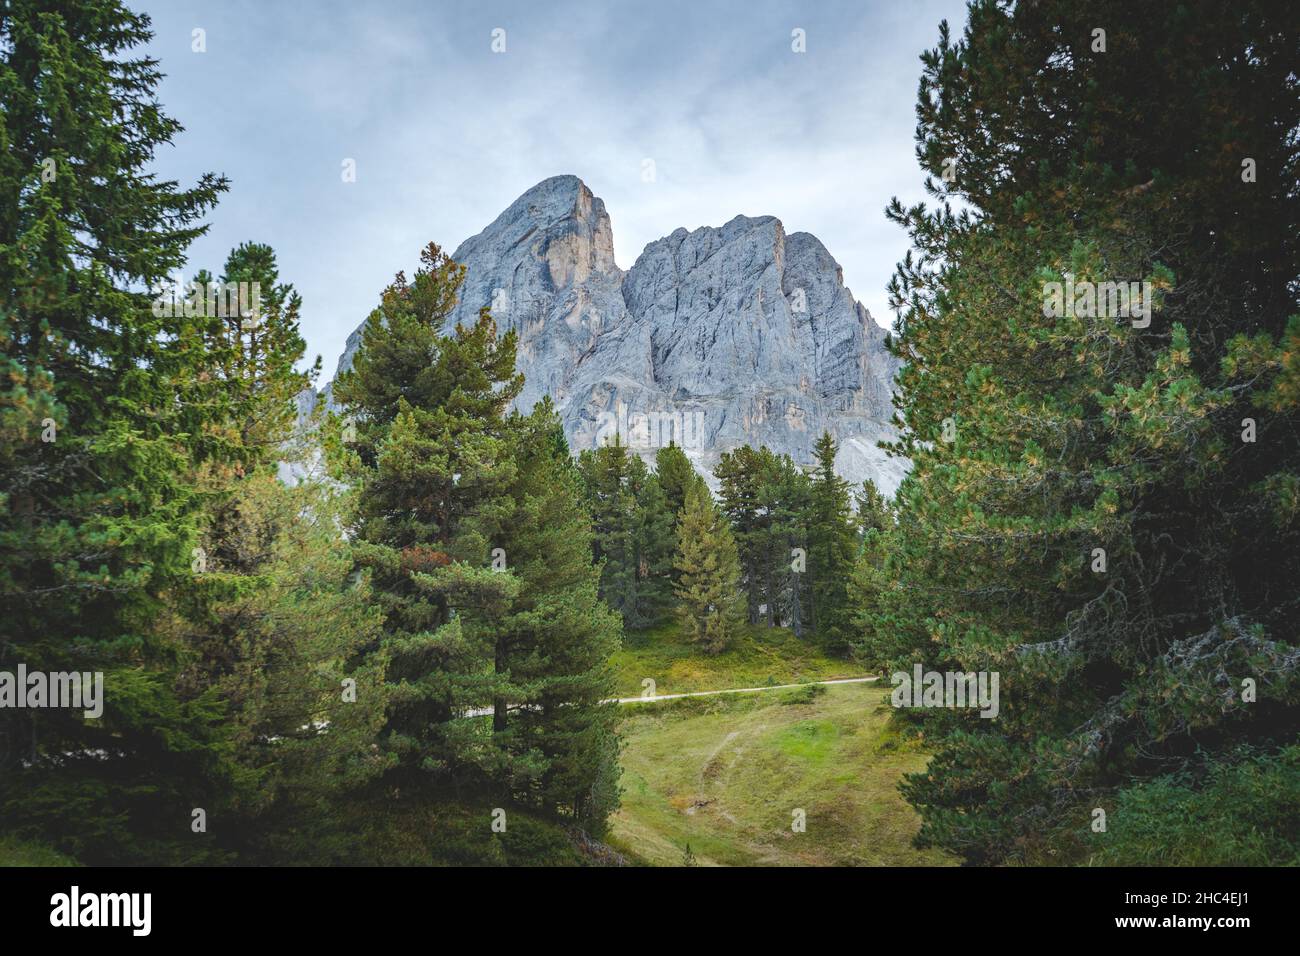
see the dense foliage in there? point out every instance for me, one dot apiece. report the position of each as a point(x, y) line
point(470, 527)
point(1103, 507)
point(98, 517)
point(167, 523)
point(347, 637)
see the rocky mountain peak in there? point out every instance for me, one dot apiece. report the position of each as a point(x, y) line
point(715, 337)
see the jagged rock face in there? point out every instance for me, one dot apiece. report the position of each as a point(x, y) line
point(714, 338)
point(546, 269)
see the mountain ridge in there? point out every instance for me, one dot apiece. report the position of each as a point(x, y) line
point(715, 337)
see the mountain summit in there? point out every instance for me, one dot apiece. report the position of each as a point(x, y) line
point(714, 338)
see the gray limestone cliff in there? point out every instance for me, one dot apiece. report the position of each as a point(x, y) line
point(714, 338)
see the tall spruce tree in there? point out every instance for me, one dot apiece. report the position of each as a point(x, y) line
point(1103, 503)
point(740, 474)
point(604, 473)
point(97, 518)
point(870, 577)
point(556, 637)
point(633, 528)
point(766, 498)
point(278, 633)
point(872, 510)
point(789, 491)
point(675, 474)
point(654, 542)
point(268, 347)
point(711, 602)
point(831, 548)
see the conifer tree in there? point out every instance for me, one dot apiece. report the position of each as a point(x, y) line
point(740, 474)
point(429, 450)
point(766, 499)
point(870, 578)
point(556, 638)
point(789, 493)
point(272, 618)
point(633, 532)
point(97, 518)
point(605, 482)
point(278, 633)
point(675, 474)
point(268, 346)
point(873, 511)
point(711, 603)
point(654, 543)
point(831, 548)
point(1102, 502)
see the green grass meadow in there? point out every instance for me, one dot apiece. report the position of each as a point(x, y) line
point(726, 774)
point(761, 657)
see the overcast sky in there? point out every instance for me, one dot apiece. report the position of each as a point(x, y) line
point(446, 133)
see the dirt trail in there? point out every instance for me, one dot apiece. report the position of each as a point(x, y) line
point(743, 690)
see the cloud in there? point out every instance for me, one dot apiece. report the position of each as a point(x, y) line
point(445, 133)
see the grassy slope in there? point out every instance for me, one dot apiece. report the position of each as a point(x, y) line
point(725, 773)
point(15, 852)
point(454, 834)
point(761, 656)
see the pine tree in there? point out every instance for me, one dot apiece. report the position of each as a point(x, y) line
point(278, 634)
point(831, 548)
point(1084, 516)
point(268, 348)
point(557, 636)
point(712, 606)
point(633, 532)
point(429, 451)
point(873, 511)
point(271, 617)
point(676, 474)
point(766, 498)
point(740, 473)
point(654, 543)
point(97, 519)
point(789, 492)
point(870, 578)
point(604, 472)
